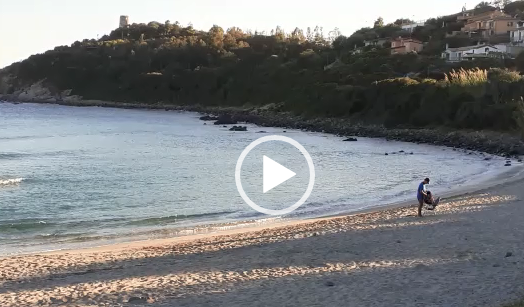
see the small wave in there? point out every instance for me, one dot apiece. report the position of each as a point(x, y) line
point(27, 225)
point(57, 236)
point(20, 137)
point(11, 181)
point(18, 155)
point(11, 155)
point(201, 228)
point(158, 221)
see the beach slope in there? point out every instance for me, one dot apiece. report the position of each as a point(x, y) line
point(470, 252)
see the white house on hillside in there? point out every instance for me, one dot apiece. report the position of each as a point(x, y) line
point(410, 27)
point(517, 35)
point(469, 52)
point(510, 49)
point(376, 42)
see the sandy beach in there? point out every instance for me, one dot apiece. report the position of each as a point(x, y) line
point(469, 252)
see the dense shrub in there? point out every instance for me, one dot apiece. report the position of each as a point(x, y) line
point(306, 74)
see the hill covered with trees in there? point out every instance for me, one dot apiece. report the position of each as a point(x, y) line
point(310, 73)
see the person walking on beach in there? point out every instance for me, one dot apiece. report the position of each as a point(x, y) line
point(421, 193)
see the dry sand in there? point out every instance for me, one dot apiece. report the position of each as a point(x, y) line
point(470, 252)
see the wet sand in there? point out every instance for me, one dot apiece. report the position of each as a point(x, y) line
point(469, 252)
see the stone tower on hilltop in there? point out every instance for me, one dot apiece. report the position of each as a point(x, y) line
point(124, 21)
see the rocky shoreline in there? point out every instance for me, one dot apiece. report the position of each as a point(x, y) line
point(495, 143)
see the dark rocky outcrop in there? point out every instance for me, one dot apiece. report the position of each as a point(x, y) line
point(501, 144)
point(482, 141)
point(225, 119)
point(208, 118)
point(350, 140)
point(238, 128)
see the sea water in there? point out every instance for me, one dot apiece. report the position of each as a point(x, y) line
point(85, 176)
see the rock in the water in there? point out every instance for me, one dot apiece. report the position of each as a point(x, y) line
point(509, 254)
point(225, 120)
point(207, 117)
point(261, 132)
point(386, 154)
point(401, 151)
point(238, 128)
point(350, 140)
point(507, 164)
point(329, 283)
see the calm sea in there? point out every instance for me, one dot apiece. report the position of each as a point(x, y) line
point(74, 177)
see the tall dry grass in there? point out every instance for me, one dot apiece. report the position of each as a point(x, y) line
point(470, 77)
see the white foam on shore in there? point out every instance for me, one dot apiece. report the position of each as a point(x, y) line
point(11, 181)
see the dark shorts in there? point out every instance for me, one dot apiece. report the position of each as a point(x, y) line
point(420, 199)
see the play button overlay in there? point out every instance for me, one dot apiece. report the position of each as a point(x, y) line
point(274, 174)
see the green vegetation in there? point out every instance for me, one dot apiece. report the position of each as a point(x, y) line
point(310, 74)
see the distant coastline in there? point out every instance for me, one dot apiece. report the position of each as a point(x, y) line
point(490, 142)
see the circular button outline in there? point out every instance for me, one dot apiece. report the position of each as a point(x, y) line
point(302, 150)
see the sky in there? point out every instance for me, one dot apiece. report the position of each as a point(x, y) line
point(34, 26)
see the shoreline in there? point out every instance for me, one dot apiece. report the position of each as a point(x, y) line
point(134, 243)
point(490, 142)
point(516, 174)
point(471, 249)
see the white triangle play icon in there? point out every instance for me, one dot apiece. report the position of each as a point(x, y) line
point(274, 174)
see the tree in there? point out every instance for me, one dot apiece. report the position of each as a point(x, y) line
point(482, 5)
point(500, 4)
point(318, 36)
point(236, 32)
point(379, 23)
point(216, 37)
point(309, 34)
point(514, 8)
point(340, 43)
point(167, 27)
point(154, 24)
point(332, 35)
point(297, 36)
point(229, 41)
point(279, 34)
point(403, 21)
